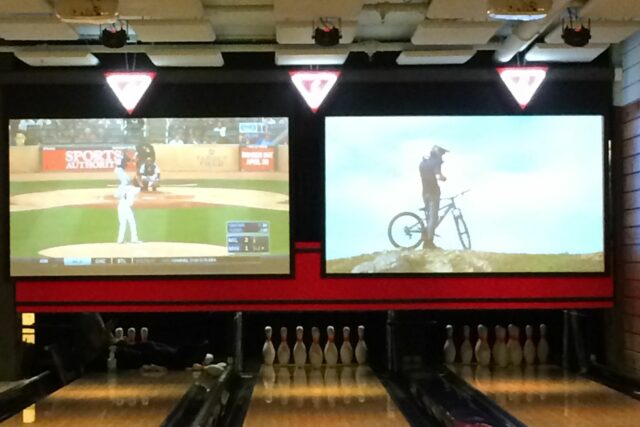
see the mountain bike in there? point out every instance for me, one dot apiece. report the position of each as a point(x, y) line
point(406, 229)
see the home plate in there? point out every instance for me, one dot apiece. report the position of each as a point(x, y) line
point(135, 250)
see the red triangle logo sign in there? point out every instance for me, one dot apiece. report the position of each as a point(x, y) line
point(523, 82)
point(129, 87)
point(314, 86)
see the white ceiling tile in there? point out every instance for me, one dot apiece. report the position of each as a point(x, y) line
point(612, 10)
point(56, 58)
point(161, 9)
point(36, 29)
point(543, 52)
point(454, 33)
point(176, 31)
point(25, 7)
point(312, 9)
point(308, 57)
point(434, 57)
point(186, 57)
point(467, 10)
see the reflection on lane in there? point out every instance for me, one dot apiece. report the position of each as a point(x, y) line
point(342, 395)
point(104, 400)
point(546, 396)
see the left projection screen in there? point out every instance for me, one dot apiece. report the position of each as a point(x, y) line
point(119, 197)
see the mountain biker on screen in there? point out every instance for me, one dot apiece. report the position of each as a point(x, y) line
point(430, 174)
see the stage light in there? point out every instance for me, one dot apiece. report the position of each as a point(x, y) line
point(129, 87)
point(113, 38)
point(522, 82)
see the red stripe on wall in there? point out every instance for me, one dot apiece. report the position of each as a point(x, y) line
point(309, 286)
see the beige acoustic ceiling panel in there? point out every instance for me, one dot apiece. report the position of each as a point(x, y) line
point(56, 58)
point(302, 32)
point(454, 33)
point(309, 9)
point(173, 31)
point(46, 28)
point(161, 9)
point(329, 56)
point(186, 57)
point(543, 52)
point(601, 32)
point(468, 10)
point(25, 7)
point(613, 10)
point(238, 23)
point(434, 57)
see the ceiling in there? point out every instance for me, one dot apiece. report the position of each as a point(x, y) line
point(200, 33)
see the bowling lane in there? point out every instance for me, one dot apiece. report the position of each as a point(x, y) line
point(547, 396)
point(344, 395)
point(125, 398)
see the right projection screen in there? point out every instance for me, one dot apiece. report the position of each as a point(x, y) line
point(518, 194)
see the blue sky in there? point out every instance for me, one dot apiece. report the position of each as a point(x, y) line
point(536, 182)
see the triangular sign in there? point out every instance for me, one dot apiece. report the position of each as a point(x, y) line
point(523, 82)
point(314, 86)
point(129, 87)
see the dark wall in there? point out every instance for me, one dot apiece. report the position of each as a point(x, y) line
point(360, 91)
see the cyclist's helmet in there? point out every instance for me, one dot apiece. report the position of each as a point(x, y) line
point(436, 149)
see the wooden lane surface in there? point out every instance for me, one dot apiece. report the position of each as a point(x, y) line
point(342, 396)
point(546, 396)
point(126, 398)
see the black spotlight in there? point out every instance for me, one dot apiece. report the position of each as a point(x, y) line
point(113, 38)
point(576, 37)
point(327, 36)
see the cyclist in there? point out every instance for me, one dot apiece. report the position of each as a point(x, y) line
point(430, 173)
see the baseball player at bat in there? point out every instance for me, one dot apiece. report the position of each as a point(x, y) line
point(126, 195)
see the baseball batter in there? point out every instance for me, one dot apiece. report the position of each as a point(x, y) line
point(126, 195)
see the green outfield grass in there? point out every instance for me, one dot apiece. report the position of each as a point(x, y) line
point(32, 231)
point(21, 187)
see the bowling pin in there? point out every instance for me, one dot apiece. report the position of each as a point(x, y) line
point(299, 349)
point(131, 336)
point(144, 334)
point(346, 350)
point(482, 349)
point(284, 353)
point(268, 351)
point(330, 349)
point(361, 347)
point(513, 345)
point(208, 359)
point(315, 351)
point(449, 349)
point(529, 349)
point(543, 345)
point(499, 352)
point(119, 334)
point(466, 351)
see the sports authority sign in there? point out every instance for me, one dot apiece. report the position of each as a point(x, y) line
point(94, 159)
point(314, 86)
